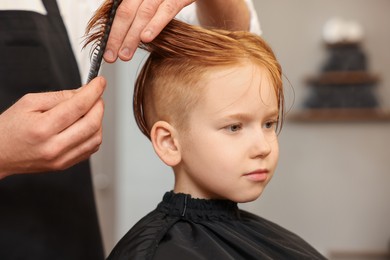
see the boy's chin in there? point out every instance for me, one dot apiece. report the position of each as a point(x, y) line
point(247, 197)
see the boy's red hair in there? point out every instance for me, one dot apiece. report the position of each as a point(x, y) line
point(170, 81)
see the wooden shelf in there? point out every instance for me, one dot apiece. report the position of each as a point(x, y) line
point(339, 78)
point(340, 115)
point(342, 44)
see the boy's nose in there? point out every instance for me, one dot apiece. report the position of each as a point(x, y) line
point(260, 146)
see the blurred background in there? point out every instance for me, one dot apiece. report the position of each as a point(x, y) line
point(332, 185)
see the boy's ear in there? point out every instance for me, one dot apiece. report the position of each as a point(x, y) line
point(165, 143)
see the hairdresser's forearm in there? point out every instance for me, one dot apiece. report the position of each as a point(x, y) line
point(226, 14)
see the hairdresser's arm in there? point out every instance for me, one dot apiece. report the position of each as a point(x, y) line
point(137, 21)
point(51, 131)
point(226, 14)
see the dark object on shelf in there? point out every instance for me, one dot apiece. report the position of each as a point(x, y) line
point(344, 89)
point(344, 82)
point(345, 57)
point(341, 96)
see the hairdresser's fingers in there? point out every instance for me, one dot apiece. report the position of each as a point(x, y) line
point(165, 13)
point(86, 149)
point(41, 102)
point(83, 130)
point(66, 113)
point(78, 153)
point(124, 17)
point(145, 13)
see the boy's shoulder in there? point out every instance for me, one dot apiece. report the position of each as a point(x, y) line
point(161, 236)
point(141, 240)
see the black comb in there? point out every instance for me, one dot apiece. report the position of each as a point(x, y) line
point(101, 44)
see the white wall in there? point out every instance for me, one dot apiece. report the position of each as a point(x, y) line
point(332, 185)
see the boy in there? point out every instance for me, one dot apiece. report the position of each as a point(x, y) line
point(211, 102)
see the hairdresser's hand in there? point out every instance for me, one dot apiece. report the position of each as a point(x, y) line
point(139, 20)
point(51, 131)
point(143, 20)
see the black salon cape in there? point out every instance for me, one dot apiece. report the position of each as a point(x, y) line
point(185, 228)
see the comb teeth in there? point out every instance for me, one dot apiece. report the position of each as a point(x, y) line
point(101, 43)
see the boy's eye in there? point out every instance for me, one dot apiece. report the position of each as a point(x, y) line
point(271, 124)
point(234, 128)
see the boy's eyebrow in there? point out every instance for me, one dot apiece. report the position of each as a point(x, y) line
point(248, 116)
point(238, 116)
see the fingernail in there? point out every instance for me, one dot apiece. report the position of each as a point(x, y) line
point(125, 52)
point(109, 55)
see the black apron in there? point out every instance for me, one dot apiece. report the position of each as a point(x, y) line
point(51, 215)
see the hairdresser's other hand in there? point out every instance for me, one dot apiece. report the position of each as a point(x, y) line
point(143, 20)
point(139, 20)
point(52, 130)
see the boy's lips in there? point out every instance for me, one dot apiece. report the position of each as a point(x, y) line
point(257, 175)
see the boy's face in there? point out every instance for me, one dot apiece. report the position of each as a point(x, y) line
point(231, 149)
